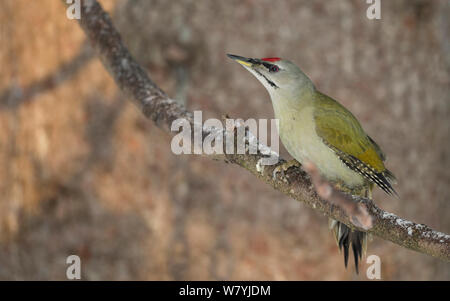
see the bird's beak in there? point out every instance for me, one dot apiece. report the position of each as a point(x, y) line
point(247, 62)
point(256, 67)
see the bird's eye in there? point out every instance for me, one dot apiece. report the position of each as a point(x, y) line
point(274, 68)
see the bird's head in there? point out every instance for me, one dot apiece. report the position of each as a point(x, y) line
point(278, 76)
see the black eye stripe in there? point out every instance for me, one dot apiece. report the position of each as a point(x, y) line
point(271, 67)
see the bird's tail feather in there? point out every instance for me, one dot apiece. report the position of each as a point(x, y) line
point(346, 237)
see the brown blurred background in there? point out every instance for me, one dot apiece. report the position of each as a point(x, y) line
point(83, 172)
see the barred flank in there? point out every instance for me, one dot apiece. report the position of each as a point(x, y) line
point(383, 179)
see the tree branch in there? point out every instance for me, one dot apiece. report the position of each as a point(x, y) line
point(296, 183)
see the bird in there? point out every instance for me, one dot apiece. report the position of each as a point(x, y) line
point(316, 128)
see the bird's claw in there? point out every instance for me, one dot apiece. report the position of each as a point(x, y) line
point(282, 168)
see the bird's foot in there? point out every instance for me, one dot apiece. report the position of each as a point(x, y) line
point(283, 167)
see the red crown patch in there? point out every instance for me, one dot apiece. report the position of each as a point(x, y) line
point(271, 59)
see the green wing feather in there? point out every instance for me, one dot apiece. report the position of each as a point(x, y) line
point(378, 149)
point(342, 132)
